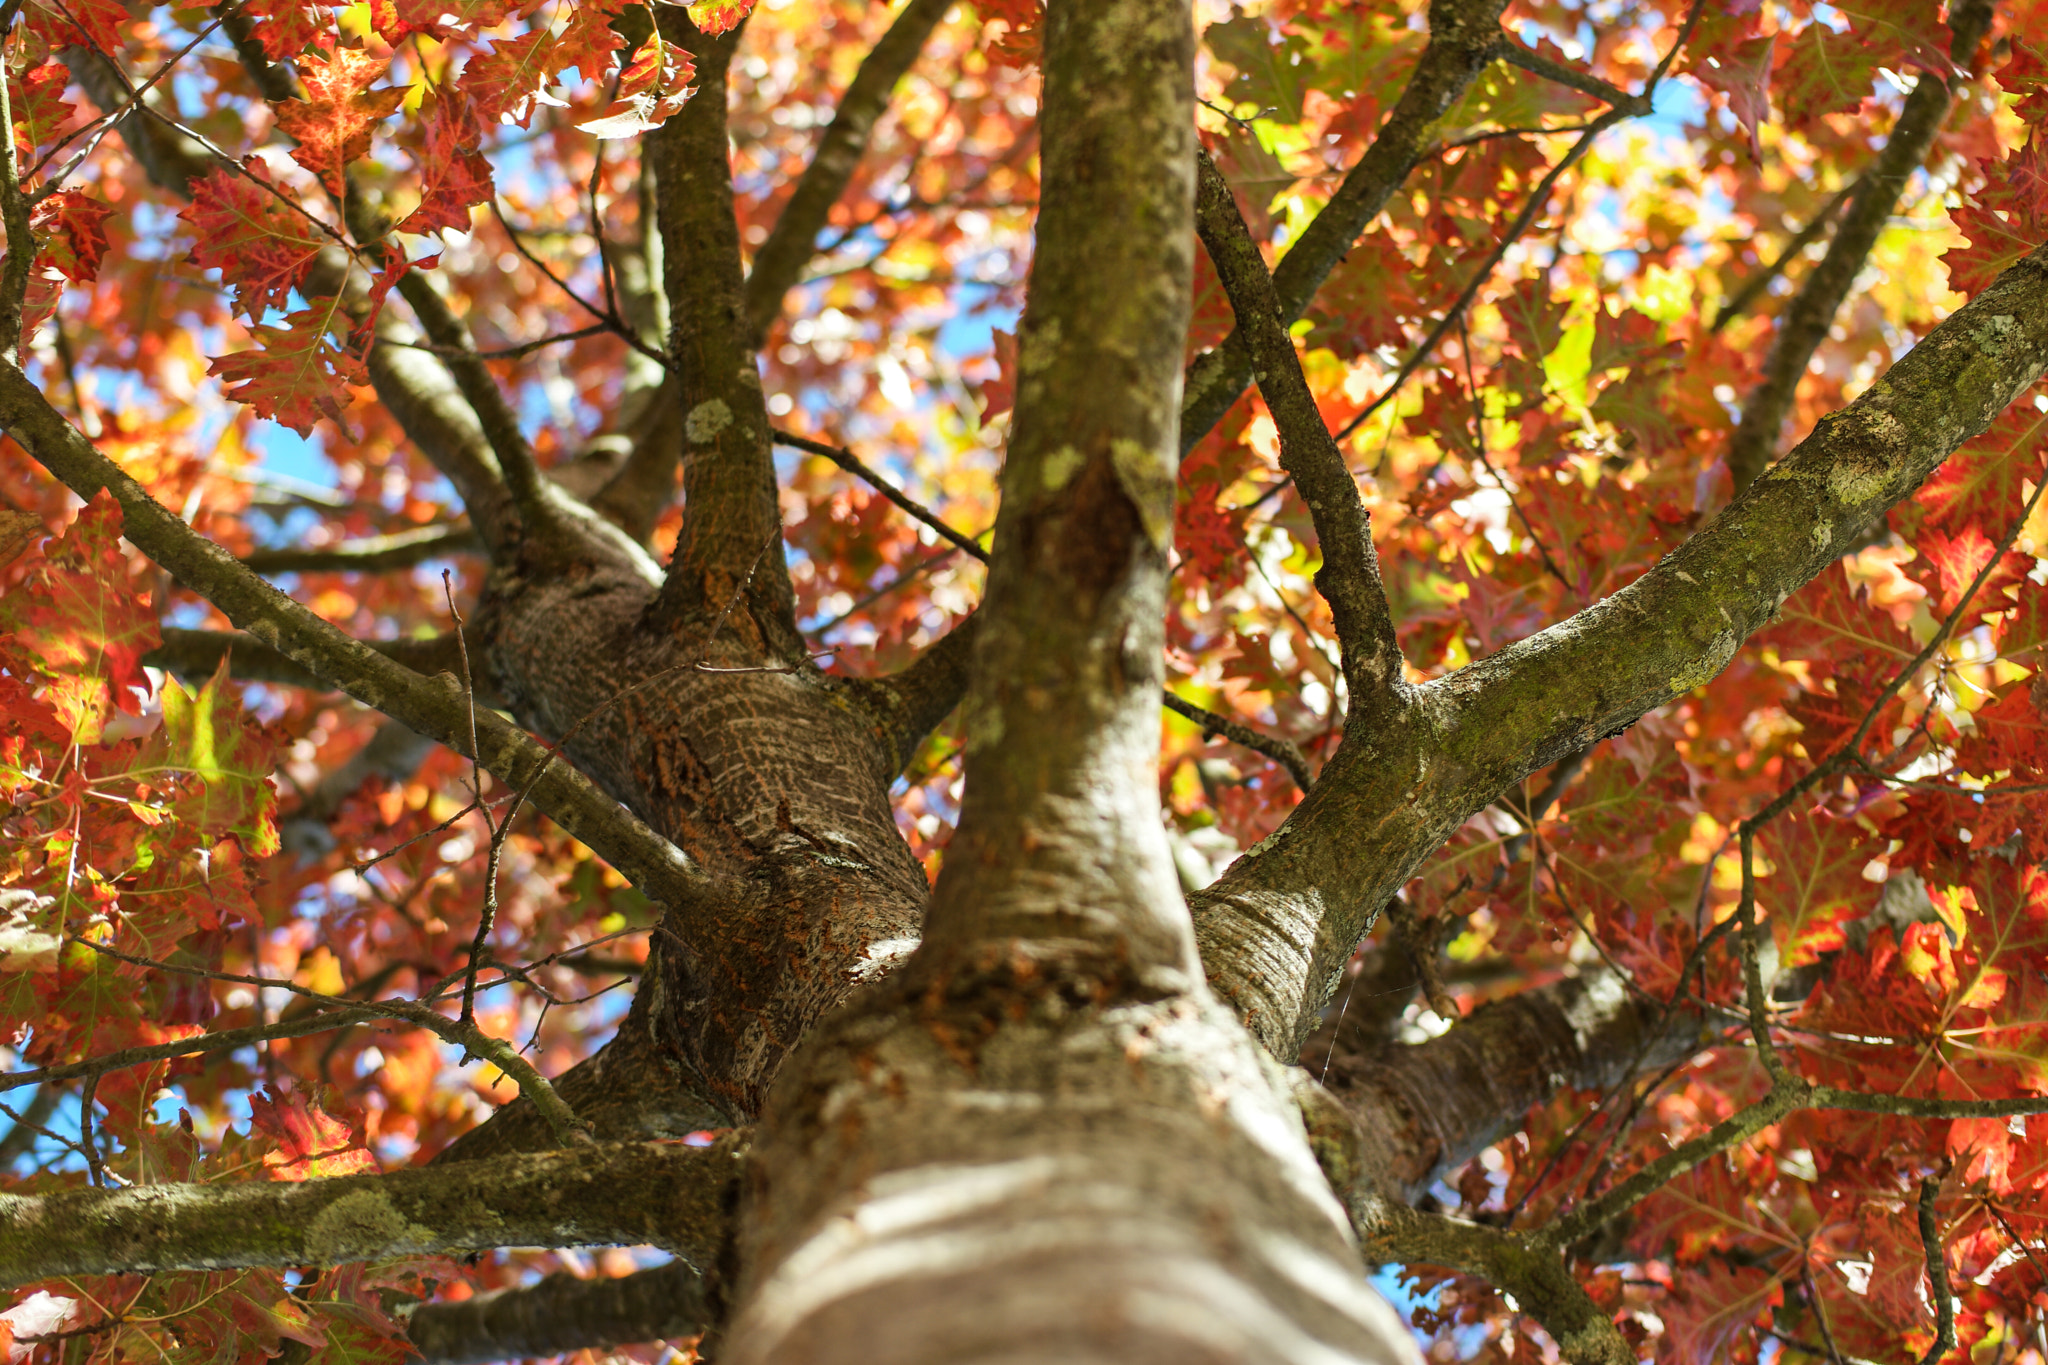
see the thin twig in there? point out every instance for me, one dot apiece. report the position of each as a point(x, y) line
point(860, 469)
point(1479, 447)
point(1536, 202)
point(1937, 1273)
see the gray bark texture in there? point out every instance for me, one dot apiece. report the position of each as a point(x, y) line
point(1047, 1109)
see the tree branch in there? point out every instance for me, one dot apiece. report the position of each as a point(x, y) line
point(372, 554)
point(428, 707)
point(418, 390)
point(1536, 64)
point(1806, 320)
point(171, 162)
point(1937, 1272)
point(194, 655)
point(860, 469)
point(1464, 36)
point(730, 506)
point(1278, 926)
point(1427, 1108)
point(662, 1194)
point(793, 240)
point(563, 1313)
point(1349, 578)
point(456, 349)
point(1755, 285)
point(1284, 752)
point(1536, 1274)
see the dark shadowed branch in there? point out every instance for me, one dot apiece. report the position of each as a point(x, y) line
point(563, 1313)
point(195, 654)
point(1805, 322)
point(1753, 287)
point(1464, 37)
point(372, 554)
point(1349, 578)
point(1937, 1273)
point(793, 240)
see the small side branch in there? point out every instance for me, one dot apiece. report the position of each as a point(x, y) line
point(1806, 320)
point(1284, 752)
point(793, 240)
point(372, 554)
point(1937, 1273)
point(563, 1313)
point(1756, 284)
point(657, 1193)
point(1536, 64)
point(1534, 1273)
point(1349, 579)
point(1464, 37)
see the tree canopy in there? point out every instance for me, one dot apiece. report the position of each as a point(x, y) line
point(814, 680)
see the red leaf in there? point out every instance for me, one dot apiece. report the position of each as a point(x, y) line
point(1741, 70)
point(86, 23)
point(653, 86)
point(1958, 559)
point(999, 395)
point(438, 19)
point(294, 374)
point(36, 100)
point(333, 122)
point(1716, 1305)
point(716, 16)
point(261, 248)
point(1825, 72)
point(85, 620)
point(455, 173)
point(310, 1142)
point(509, 80)
point(288, 27)
point(72, 225)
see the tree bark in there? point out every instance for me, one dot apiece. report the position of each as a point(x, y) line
point(665, 1194)
point(1041, 1137)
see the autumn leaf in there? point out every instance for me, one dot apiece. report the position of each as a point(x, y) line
point(293, 374)
point(334, 121)
point(1738, 67)
point(87, 23)
point(717, 16)
point(309, 1142)
point(651, 88)
point(229, 760)
point(510, 80)
point(1714, 1305)
point(36, 100)
point(439, 19)
point(287, 28)
point(456, 176)
point(242, 229)
point(1957, 561)
point(79, 616)
point(1824, 72)
point(72, 226)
